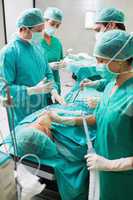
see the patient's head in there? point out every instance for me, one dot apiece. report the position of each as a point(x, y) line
point(44, 120)
point(43, 123)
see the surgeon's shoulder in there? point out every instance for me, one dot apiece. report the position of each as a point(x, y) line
point(57, 40)
point(8, 50)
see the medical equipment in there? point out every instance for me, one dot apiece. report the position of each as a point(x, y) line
point(31, 187)
point(7, 180)
point(94, 177)
point(76, 95)
point(7, 102)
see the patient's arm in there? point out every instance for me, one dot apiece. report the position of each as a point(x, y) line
point(91, 120)
point(72, 121)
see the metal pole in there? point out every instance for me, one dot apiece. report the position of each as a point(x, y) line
point(34, 3)
point(4, 21)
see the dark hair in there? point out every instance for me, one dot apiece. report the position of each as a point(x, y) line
point(22, 28)
point(118, 25)
point(30, 28)
point(121, 26)
point(129, 61)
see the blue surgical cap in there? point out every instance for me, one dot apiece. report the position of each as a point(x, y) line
point(110, 15)
point(30, 18)
point(53, 14)
point(116, 44)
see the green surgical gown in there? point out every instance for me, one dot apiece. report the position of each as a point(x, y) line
point(23, 64)
point(54, 53)
point(114, 139)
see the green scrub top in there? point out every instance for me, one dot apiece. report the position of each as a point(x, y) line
point(114, 139)
point(24, 65)
point(54, 52)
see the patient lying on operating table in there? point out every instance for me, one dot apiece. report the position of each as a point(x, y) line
point(43, 123)
point(56, 135)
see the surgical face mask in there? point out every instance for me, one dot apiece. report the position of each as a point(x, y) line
point(27, 40)
point(104, 71)
point(36, 37)
point(50, 31)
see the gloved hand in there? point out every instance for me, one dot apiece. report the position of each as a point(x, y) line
point(88, 83)
point(100, 163)
point(57, 65)
point(93, 101)
point(40, 88)
point(69, 51)
point(57, 98)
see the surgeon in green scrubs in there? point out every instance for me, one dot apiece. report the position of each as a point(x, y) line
point(107, 19)
point(51, 44)
point(114, 117)
point(25, 68)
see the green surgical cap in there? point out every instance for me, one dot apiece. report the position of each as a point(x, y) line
point(53, 14)
point(110, 15)
point(116, 44)
point(30, 18)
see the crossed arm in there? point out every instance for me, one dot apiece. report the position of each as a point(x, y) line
point(72, 121)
